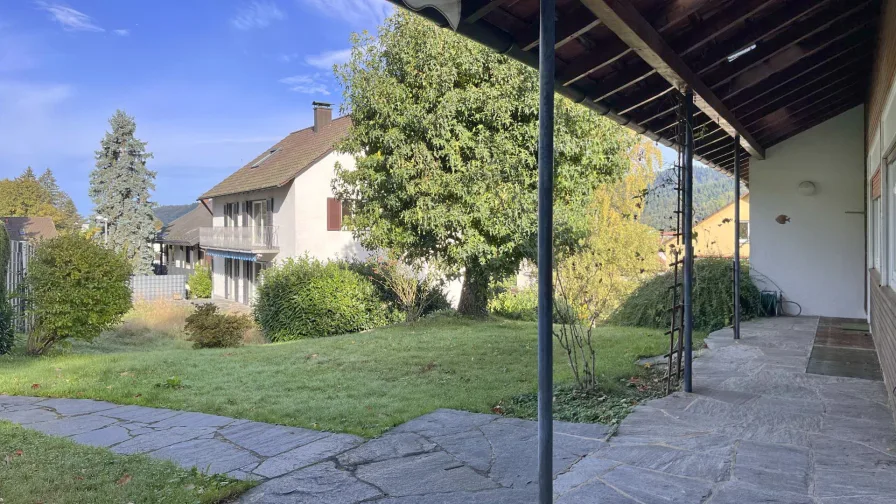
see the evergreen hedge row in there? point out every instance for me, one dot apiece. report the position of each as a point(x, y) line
point(713, 306)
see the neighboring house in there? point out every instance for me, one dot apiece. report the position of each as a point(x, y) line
point(24, 234)
point(714, 235)
point(279, 205)
point(180, 251)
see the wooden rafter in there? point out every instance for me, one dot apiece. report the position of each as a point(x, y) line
point(628, 24)
point(479, 8)
point(613, 49)
point(789, 46)
point(570, 25)
point(737, 15)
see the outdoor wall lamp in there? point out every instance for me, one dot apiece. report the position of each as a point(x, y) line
point(807, 188)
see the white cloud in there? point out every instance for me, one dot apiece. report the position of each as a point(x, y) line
point(257, 14)
point(286, 58)
point(122, 32)
point(327, 59)
point(69, 18)
point(356, 12)
point(306, 84)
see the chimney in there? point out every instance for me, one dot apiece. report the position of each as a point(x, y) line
point(323, 114)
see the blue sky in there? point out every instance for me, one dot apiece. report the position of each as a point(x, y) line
point(211, 82)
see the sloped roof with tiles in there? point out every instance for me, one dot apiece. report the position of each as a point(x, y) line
point(284, 161)
point(29, 228)
point(185, 229)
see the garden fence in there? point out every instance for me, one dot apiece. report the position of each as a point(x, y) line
point(152, 287)
point(20, 254)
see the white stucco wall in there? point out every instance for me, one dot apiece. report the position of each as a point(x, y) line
point(177, 260)
point(312, 188)
point(817, 259)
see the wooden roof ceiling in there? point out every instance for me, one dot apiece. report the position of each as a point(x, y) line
point(811, 61)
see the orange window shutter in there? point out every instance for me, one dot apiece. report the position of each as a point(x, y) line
point(875, 185)
point(334, 214)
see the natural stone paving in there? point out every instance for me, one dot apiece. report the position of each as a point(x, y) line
point(757, 429)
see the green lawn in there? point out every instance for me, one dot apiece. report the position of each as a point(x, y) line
point(40, 468)
point(361, 383)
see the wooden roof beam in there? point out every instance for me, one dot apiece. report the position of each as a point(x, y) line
point(570, 25)
point(696, 38)
point(614, 49)
point(816, 120)
point(788, 47)
point(825, 87)
point(854, 47)
point(796, 119)
point(809, 106)
point(628, 24)
point(479, 8)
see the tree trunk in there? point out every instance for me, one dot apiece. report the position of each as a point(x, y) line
point(474, 294)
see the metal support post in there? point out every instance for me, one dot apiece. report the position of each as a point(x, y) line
point(736, 237)
point(545, 252)
point(687, 234)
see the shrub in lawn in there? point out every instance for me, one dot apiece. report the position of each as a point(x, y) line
point(649, 305)
point(6, 329)
point(515, 303)
point(208, 328)
point(408, 286)
point(75, 289)
point(522, 304)
point(200, 282)
point(308, 298)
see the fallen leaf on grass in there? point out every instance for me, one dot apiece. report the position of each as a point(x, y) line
point(138, 395)
point(19, 453)
point(123, 480)
point(35, 386)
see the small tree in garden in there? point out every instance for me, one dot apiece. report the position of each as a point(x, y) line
point(209, 329)
point(200, 282)
point(75, 289)
point(6, 326)
point(413, 285)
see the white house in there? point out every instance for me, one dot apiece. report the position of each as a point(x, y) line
point(279, 205)
point(179, 241)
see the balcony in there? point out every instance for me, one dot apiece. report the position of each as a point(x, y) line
point(255, 239)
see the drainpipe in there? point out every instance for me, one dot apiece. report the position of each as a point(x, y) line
point(736, 237)
point(545, 251)
point(687, 234)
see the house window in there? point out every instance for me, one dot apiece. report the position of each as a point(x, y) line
point(264, 158)
point(189, 255)
point(744, 232)
point(231, 214)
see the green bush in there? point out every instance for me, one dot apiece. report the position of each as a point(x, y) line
point(515, 303)
point(307, 298)
point(649, 305)
point(522, 304)
point(404, 287)
point(7, 335)
point(209, 329)
point(200, 282)
point(75, 289)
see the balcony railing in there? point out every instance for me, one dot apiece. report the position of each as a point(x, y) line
point(249, 239)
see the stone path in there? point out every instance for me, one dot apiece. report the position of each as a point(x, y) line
point(758, 429)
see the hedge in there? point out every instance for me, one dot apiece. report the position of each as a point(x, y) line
point(713, 306)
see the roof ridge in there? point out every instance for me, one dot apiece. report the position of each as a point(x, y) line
point(312, 126)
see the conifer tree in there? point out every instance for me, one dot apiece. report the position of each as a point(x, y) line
point(69, 219)
point(120, 187)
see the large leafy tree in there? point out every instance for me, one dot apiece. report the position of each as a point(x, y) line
point(120, 186)
point(29, 196)
point(447, 131)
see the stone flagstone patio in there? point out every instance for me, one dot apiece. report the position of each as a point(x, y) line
point(757, 429)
